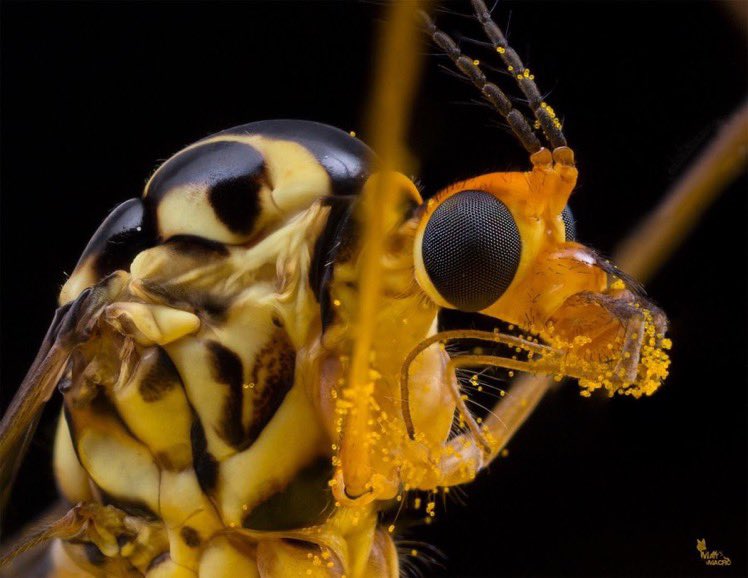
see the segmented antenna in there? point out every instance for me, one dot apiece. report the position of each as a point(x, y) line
point(492, 93)
point(544, 114)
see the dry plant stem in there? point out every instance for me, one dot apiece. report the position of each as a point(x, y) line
point(654, 240)
point(644, 251)
point(394, 82)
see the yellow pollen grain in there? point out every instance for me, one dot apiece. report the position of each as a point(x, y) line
point(352, 133)
point(391, 528)
point(476, 62)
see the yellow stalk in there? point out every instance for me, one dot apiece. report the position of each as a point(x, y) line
point(394, 85)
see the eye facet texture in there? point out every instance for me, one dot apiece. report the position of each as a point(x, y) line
point(569, 223)
point(471, 249)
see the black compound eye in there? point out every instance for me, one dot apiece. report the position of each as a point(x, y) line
point(569, 224)
point(471, 249)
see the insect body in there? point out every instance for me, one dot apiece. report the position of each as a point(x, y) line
point(204, 341)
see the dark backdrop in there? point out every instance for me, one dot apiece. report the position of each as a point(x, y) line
point(95, 94)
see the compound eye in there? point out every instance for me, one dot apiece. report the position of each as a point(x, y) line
point(471, 249)
point(570, 225)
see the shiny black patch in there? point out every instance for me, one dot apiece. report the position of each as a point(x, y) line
point(334, 244)
point(206, 466)
point(197, 247)
point(124, 233)
point(236, 202)
point(346, 159)
point(162, 376)
point(190, 536)
point(230, 173)
point(132, 507)
point(226, 368)
point(305, 501)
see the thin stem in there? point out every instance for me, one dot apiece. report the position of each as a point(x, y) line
point(658, 235)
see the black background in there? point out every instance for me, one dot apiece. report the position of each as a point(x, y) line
point(94, 95)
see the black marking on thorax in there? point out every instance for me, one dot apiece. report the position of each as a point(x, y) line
point(132, 507)
point(306, 501)
point(333, 245)
point(127, 231)
point(190, 536)
point(197, 247)
point(230, 173)
point(346, 159)
point(273, 376)
point(162, 376)
point(205, 464)
point(226, 368)
point(197, 252)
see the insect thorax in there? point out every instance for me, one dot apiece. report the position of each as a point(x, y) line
point(209, 396)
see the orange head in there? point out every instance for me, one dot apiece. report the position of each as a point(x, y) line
point(502, 244)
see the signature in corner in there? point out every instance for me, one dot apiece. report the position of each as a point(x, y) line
point(711, 557)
